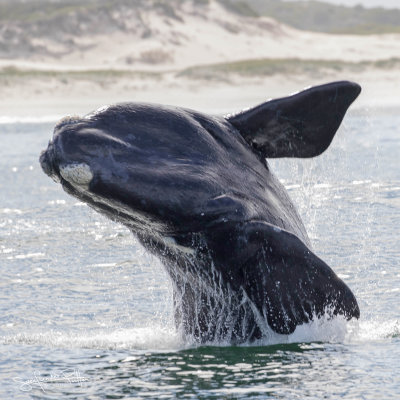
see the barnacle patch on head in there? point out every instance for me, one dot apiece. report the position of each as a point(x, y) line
point(77, 174)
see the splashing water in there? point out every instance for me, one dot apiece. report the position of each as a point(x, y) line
point(77, 291)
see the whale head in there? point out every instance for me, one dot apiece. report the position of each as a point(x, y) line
point(150, 167)
point(168, 169)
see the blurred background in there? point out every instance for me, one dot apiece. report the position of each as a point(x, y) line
point(78, 293)
point(70, 57)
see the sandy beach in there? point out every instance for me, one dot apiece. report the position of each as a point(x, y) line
point(189, 60)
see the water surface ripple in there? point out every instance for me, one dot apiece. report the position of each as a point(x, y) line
point(86, 313)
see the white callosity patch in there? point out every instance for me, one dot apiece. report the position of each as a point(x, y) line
point(77, 174)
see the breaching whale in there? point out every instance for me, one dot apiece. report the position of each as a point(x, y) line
point(198, 193)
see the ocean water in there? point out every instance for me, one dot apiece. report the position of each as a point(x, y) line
point(86, 313)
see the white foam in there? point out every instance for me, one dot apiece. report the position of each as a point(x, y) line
point(10, 211)
point(151, 338)
point(4, 119)
point(324, 329)
point(372, 330)
point(161, 338)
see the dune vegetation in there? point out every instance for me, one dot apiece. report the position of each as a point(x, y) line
point(311, 15)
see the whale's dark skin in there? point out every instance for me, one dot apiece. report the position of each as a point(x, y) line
point(198, 193)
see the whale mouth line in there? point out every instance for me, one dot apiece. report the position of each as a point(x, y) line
point(79, 174)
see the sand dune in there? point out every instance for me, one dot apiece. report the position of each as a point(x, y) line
point(144, 60)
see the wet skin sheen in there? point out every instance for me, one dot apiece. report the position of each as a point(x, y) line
point(198, 193)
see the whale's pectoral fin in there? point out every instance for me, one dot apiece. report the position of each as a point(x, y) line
point(288, 284)
point(301, 125)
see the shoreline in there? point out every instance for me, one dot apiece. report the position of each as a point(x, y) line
point(51, 99)
point(201, 57)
